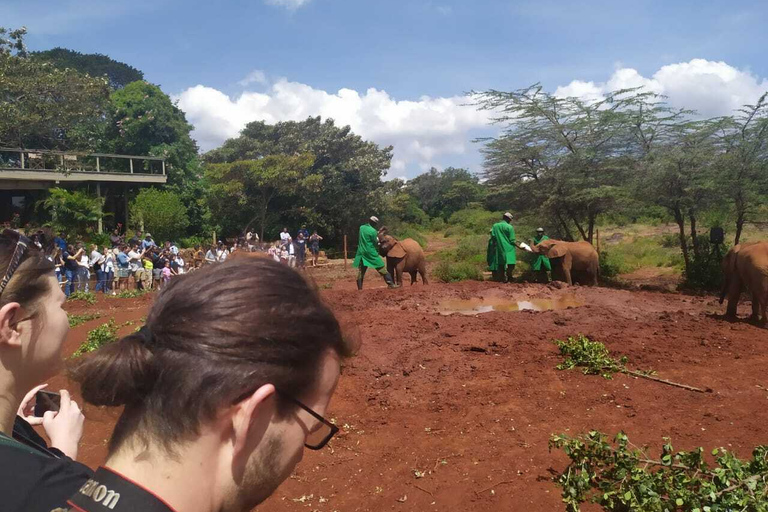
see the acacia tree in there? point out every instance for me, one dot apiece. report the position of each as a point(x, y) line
point(743, 164)
point(574, 150)
point(241, 192)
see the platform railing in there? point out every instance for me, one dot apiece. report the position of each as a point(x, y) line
point(69, 161)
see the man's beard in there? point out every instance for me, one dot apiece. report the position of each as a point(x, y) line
point(262, 476)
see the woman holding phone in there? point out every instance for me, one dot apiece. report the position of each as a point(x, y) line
point(33, 325)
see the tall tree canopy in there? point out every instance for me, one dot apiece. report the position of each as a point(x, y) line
point(117, 73)
point(42, 106)
point(339, 188)
point(441, 193)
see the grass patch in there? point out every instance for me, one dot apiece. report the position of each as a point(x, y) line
point(650, 251)
point(129, 294)
point(88, 297)
point(75, 320)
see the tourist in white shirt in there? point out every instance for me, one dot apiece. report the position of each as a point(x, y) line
point(95, 262)
point(83, 272)
point(108, 270)
point(284, 235)
point(137, 270)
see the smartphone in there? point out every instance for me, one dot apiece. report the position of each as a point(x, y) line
point(46, 401)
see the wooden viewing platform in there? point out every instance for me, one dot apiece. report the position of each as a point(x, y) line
point(24, 169)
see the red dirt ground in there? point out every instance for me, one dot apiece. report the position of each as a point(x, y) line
point(469, 402)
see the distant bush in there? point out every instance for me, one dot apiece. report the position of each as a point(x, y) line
point(449, 272)
point(191, 241)
point(475, 220)
point(609, 267)
point(437, 224)
point(100, 239)
point(704, 272)
point(409, 231)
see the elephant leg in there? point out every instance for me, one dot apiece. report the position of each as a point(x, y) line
point(734, 294)
point(755, 307)
point(413, 277)
point(567, 272)
point(399, 272)
point(423, 272)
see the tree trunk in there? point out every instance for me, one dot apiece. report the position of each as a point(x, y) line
point(566, 229)
point(591, 227)
point(680, 219)
point(741, 217)
point(694, 234)
point(578, 226)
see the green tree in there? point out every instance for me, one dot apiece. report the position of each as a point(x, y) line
point(117, 73)
point(345, 174)
point(240, 193)
point(575, 151)
point(743, 164)
point(75, 212)
point(45, 107)
point(442, 193)
point(161, 212)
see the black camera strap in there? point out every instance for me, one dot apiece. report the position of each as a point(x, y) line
point(108, 491)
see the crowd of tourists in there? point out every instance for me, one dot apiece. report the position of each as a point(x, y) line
point(266, 340)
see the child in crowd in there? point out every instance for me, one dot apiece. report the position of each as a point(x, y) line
point(167, 272)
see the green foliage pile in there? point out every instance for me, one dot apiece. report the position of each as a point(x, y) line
point(161, 212)
point(592, 356)
point(88, 297)
point(625, 478)
point(609, 266)
point(75, 320)
point(704, 271)
point(129, 294)
point(98, 337)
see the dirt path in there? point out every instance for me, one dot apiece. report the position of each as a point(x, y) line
point(454, 412)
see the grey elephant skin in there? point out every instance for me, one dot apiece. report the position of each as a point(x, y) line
point(403, 256)
point(745, 268)
point(571, 261)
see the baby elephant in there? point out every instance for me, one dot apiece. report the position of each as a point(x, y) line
point(403, 256)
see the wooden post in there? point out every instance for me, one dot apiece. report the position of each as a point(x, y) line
point(126, 209)
point(98, 165)
point(131, 162)
point(101, 209)
point(214, 239)
point(345, 251)
point(22, 159)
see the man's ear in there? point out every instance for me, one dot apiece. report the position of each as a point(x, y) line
point(251, 418)
point(8, 317)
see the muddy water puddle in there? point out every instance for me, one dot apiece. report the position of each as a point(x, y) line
point(478, 305)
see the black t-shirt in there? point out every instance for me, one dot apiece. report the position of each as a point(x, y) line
point(109, 491)
point(69, 264)
point(175, 266)
point(33, 477)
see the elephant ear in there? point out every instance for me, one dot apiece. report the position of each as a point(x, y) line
point(396, 251)
point(556, 250)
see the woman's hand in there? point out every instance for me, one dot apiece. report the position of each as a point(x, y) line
point(65, 428)
point(27, 408)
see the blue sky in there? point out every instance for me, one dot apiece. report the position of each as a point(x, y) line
point(306, 51)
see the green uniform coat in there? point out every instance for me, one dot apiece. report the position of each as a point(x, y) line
point(491, 257)
point(541, 260)
point(367, 253)
point(503, 235)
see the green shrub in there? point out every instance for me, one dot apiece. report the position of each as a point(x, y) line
point(191, 241)
point(449, 272)
point(75, 320)
point(437, 224)
point(704, 272)
point(100, 239)
point(88, 297)
point(98, 337)
point(162, 212)
point(609, 267)
point(475, 220)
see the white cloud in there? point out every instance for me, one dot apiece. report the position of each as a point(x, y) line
point(289, 4)
point(256, 76)
point(422, 131)
point(711, 88)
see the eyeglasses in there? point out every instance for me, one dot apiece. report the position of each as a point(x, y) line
point(22, 243)
point(319, 436)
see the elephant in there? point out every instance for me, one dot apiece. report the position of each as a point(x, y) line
point(745, 267)
point(403, 256)
point(571, 261)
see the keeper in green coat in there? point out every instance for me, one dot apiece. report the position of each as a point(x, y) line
point(367, 254)
point(501, 250)
point(541, 265)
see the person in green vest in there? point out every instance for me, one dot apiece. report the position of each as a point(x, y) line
point(367, 254)
point(541, 265)
point(502, 259)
